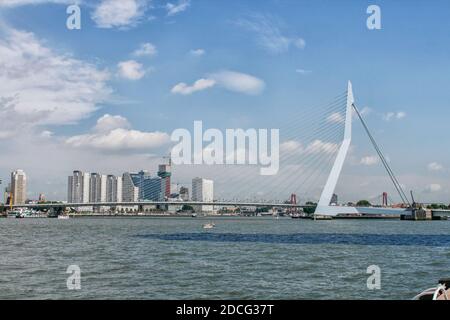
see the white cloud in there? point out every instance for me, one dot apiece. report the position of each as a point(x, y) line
point(230, 80)
point(119, 13)
point(336, 118)
point(365, 111)
point(112, 133)
point(369, 160)
point(180, 6)
point(434, 187)
point(434, 166)
point(120, 139)
point(199, 85)
point(394, 115)
point(197, 52)
point(39, 86)
point(316, 146)
point(131, 70)
point(108, 123)
point(401, 115)
point(239, 82)
point(16, 3)
point(269, 33)
point(46, 134)
point(291, 146)
point(388, 116)
point(319, 146)
point(146, 49)
point(303, 71)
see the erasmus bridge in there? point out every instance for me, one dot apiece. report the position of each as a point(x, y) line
point(306, 171)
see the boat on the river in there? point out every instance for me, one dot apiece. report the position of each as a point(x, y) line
point(20, 213)
point(209, 226)
point(441, 292)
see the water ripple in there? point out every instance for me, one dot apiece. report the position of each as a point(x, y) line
point(312, 238)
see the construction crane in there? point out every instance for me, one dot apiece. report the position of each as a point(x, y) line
point(415, 205)
point(169, 157)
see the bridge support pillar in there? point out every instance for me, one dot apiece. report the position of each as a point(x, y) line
point(324, 208)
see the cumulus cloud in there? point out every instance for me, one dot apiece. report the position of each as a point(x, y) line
point(434, 166)
point(394, 116)
point(319, 146)
point(112, 133)
point(16, 3)
point(119, 13)
point(40, 86)
point(365, 111)
point(314, 147)
point(180, 6)
point(197, 52)
point(369, 160)
point(230, 80)
point(46, 134)
point(131, 70)
point(120, 139)
point(146, 49)
point(291, 146)
point(303, 71)
point(199, 85)
point(269, 34)
point(108, 123)
point(239, 82)
point(401, 115)
point(336, 118)
point(434, 187)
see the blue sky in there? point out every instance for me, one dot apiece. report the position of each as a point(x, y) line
point(296, 53)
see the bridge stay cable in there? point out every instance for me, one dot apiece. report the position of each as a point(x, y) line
point(391, 174)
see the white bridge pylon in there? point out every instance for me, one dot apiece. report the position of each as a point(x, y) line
point(323, 207)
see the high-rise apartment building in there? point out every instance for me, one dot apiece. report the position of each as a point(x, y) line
point(142, 186)
point(153, 189)
point(18, 187)
point(113, 189)
point(78, 187)
point(164, 172)
point(97, 188)
point(203, 190)
point(130, 187)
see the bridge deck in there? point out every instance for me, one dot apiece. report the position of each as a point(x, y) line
point(153, 203)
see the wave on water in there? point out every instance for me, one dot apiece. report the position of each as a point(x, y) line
point(312, 238)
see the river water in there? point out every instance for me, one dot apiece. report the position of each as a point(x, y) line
point(242, 258)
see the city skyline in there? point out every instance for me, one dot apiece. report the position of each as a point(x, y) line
point(163, 72)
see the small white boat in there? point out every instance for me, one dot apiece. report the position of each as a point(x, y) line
point(63, 217)
point(209, 226)
point(441, 292)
